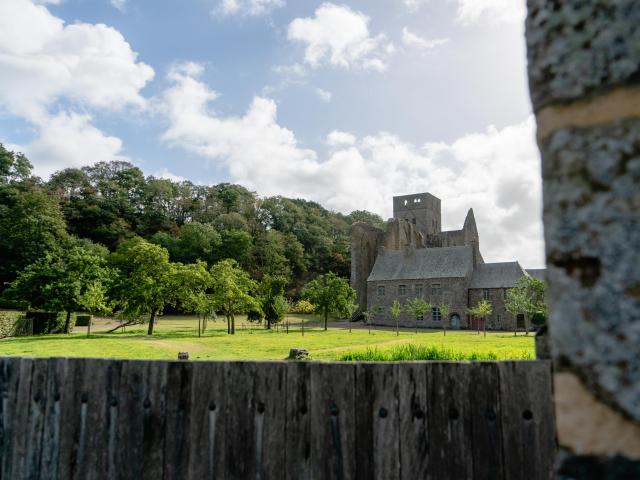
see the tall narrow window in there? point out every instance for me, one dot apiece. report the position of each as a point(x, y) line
point(504, 293)
point(402, 290)
point(435, 288)
point(486, 294)
point(418, 290)
point(381, 290)
point(436, 316)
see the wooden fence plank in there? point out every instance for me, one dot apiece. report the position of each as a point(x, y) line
point(37, 410)
point(298, 424)
point(178, 416)
point(73, 420)
point(449, 421)
point(377, 421)
point(332, 421)
point(57, 368)
point(239, 418)
point(154, 405)
point(528, 419)
point(414, 446)
point(269, 419)
point(9, 381)
point(131, 395)
point(207, 425)
point(21, 420)
point(486, 413)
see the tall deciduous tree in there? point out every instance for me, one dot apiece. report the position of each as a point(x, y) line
point(330, 294)
point(417, 307)
point(527, 298)
point(70, 279)
point(145, 284)
point(396, 310)
point(233, 291)
point(191, 282)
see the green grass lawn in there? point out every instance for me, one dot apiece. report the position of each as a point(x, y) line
point(252, 342)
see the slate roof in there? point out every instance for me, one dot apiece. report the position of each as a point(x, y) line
point(422, 263)
point(497, 275)
point(539, 273)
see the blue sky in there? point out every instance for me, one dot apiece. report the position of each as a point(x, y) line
point(345, 103)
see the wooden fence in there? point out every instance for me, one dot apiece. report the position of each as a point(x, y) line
point(91, 419)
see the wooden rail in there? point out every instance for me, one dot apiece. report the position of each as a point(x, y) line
point(63, 418)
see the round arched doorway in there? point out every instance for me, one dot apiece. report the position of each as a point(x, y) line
point(454, 321)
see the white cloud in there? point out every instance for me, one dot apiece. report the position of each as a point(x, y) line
point(496, 172)
point(324, 95)
point(339, 139)
point(412, 40)
point(70, 140)
point(247, 7)
point(167, 175)
point(415, 5)
point(49, 68)
point(339, 36)
point(490, 12)
point(119, 4)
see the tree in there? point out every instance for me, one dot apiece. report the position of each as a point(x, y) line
point(395, 310)
point(482, 310)
point(145, 284)
point(444, 314)
point(73, 278)
point(191, 283)
point(330, 294)
point(14, 167)
point(233, 291)
point(527, 298)
point(417, 307)
point(272, 298)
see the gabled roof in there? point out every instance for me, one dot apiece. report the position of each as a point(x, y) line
point(422, 263)
point(497, 275)
point(539, 273)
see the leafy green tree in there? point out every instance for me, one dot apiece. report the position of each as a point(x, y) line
point(271, 296)
point(330, 294)
point(482, 310)
point(445, 310)
point(191, 283)
point(145, 284)
point(233, 291)
point(527, 298)
point(236, 245)
point(396, 310)
point(14, 167)
point(418, 307)
point(70, 279)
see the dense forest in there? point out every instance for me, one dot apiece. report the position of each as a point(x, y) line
point(109, 203)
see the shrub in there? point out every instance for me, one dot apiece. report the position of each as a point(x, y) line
point(408, 352)
point(47, 322)
point(303, 306)
point(255, 315)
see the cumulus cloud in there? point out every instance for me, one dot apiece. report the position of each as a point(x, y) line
point(410, 39)
point(49, 67)
point(490, 12)
point(324, 95)
point(251, 8)
point(119, 4)
point(339, 139)
point(339, 36)
point(496, 172)
point(70, 140)
point(414, 5)
point(167, 175)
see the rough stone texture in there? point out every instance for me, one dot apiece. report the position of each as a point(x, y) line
point(419, 209)
point(298, 354)
point(500, 318)
point(592, 231)
point(578, 48)
point(543, 349)
point(365, 241)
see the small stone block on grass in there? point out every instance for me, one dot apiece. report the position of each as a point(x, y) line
point(183, 355)
point(298, 354)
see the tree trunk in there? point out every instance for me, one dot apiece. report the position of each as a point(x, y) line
point(326, 315)
point(67, 323)
point(199, 322)
point(268, 324)
point(228, 323)
point(89, 326)
point(152, 320)
point(233, 324)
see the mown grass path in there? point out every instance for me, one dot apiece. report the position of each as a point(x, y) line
point(251, 342)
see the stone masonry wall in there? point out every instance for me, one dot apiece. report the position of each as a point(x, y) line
point(500, 319)
point(452, 291)
point(584, 76)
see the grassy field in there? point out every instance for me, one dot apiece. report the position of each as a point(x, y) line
point(252, 342)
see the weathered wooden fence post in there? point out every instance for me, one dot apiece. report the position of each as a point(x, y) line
point(584, 76)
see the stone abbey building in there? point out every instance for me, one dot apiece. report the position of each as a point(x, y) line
point(415, 258)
